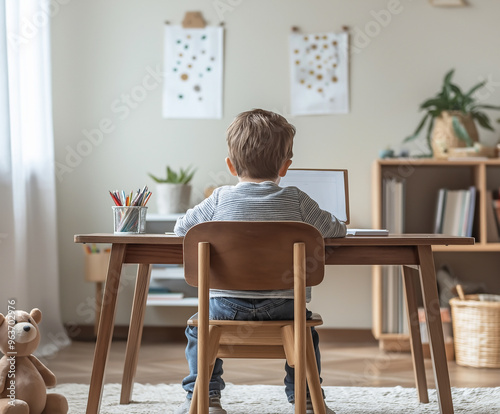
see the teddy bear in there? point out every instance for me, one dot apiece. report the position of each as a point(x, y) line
point(23, 377)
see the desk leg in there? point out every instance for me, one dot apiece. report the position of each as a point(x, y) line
point(415, 339)
point(105, 331)
point(135, 332)
point(98, 304)
point(435, 328)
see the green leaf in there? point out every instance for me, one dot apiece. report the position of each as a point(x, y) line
point(429, 132)
point(467, 104)
point(482, 119)
point(461, 132)
point(172, 176)
point(487, 107)
point(457, 103)
point(475, 88)
point(155, 178)
point(435, 113)
point(437, 102)
point(417, 131)
point(183, 177)
point(447, 84)
point(456, 89)
point(448, 76)
point(189, 177)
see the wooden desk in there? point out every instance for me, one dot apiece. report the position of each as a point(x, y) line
point(412, 251)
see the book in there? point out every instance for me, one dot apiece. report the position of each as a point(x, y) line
point(455, 211)
point(464, 213)
point(496, 206)
point(367, 232)
point(451, 213)
point(438, 223)
point(471, 211)
point(152, 296)
point(492, 230)
point(394, 311)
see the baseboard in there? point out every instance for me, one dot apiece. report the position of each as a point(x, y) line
point(150, 334)
point(153, 334)
point(346, 335)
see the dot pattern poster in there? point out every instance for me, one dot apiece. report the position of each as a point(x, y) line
point(193, 66)
point(319, 73)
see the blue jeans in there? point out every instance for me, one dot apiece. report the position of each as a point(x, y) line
point(247, 310)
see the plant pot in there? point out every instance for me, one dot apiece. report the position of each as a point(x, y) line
point(172, 198)
point(443, 136)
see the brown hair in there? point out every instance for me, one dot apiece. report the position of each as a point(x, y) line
point(259, 143)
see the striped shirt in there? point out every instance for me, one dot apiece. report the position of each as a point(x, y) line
point(266, 201)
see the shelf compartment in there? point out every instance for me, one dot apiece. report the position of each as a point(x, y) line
point(167, 272)
point(173, 302)
point(424, 178)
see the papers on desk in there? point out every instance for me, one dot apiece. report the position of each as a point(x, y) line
point(367, 232)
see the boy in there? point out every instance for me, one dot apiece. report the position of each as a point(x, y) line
point(260, 152)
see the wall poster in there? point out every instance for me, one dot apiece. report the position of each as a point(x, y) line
point(193, 67)
point(319, 73)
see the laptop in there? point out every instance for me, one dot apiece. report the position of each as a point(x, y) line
point(329, 188)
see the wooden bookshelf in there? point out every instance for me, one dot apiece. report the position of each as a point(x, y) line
point(423, 178)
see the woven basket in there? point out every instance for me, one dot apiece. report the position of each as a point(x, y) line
point(476, 332)
point(443, 134)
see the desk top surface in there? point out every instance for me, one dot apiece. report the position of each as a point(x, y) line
point(391, 240)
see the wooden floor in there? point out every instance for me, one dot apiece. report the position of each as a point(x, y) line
point(343, 364)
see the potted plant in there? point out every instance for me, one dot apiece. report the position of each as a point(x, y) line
point(450, 117)
point(173, 191)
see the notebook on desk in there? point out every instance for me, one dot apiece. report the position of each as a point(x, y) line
point(330, 189)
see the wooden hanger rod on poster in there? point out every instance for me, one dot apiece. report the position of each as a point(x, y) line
point(193, 20)
point(297, 29)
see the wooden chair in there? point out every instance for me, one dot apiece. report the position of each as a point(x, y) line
point(256, 256)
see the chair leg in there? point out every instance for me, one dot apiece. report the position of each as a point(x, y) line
point(415, 339)
point(287, 339)
point(213, 347)
point(203, 325)
point(313, 376)
point(299, 325)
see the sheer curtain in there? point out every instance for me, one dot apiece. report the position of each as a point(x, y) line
point(28, 225)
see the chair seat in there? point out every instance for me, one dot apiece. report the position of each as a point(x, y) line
point(255, 339)
point(315, 320)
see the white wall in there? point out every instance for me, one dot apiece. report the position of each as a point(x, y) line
point(103, 49)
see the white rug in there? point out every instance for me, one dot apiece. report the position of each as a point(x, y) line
point(271, 399)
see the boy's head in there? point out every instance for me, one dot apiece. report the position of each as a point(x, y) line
point(260, 143)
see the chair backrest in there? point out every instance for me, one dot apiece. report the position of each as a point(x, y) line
point(254, 255)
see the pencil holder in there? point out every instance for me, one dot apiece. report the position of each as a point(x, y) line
point(129, 219)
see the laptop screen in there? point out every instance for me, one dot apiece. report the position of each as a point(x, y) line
point(327, 187)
